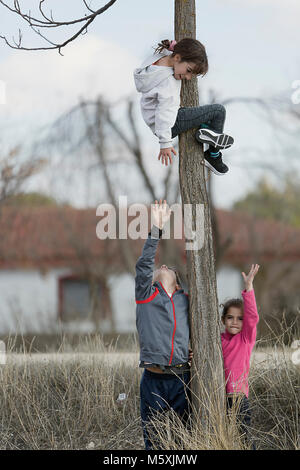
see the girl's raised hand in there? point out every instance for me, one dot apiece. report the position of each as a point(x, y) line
point(250, 276)
point(166, 154)
point(160, 213)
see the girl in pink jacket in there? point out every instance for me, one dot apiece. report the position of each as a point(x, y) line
point(240, 318)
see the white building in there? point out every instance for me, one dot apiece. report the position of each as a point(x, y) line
point(56, 275)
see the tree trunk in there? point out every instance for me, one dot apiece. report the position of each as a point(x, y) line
point(208, 386)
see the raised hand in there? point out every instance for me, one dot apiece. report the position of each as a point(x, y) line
point(160, 213)
point(248, 279)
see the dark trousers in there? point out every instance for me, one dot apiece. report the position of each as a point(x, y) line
point(243, 417)
point(212, 115)
point(160, 393)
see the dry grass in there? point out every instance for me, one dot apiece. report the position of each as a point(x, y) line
point(68, 405)
point(71, 403)
point(275, 407)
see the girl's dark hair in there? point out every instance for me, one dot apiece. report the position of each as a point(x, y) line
point(232, 303)
point(190, 50)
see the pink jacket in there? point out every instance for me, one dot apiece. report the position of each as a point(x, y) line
point(237, 348)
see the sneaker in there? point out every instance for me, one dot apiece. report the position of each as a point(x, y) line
point(215, 164)
point(219, 141)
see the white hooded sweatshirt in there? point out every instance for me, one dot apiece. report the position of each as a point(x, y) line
point(160, 99)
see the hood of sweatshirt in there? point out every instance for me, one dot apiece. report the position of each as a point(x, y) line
point(146, 78)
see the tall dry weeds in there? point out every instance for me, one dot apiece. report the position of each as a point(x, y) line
point(72, 404)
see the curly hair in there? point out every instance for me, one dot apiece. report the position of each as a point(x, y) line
point(231, 303)
point(190, 50)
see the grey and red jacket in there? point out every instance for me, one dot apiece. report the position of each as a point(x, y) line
point(162, 321)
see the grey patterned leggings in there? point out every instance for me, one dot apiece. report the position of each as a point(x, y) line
point(213, 115)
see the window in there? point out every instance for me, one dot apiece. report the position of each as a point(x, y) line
point(77, 298)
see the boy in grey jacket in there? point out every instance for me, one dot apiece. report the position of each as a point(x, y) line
point(163, 329)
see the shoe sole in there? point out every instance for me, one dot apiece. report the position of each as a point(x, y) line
point(208, 165)
point(219, 141)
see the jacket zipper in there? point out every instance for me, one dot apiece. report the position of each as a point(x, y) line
point(173, 331)
point(173, 335)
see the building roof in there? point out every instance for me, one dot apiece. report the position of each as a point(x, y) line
point(47, 237)
point(257, 239)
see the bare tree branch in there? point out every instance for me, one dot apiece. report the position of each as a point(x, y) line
point(134, 148)
point(96, 136)
point(88, 7)
point(167, 181)
point(14, 174)
point(49, 22)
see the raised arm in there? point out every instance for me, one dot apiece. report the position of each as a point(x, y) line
point(145, 264)
point(165, 117)
point(250, 318)
point(160, 214)
point(165, 114)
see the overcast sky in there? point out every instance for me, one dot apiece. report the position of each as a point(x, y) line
point(252, 47)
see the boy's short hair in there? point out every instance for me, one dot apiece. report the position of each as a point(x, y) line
point(178, 279)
